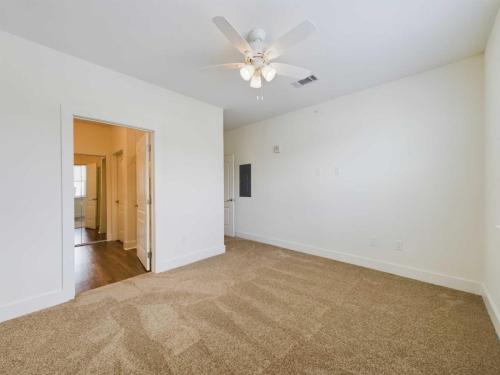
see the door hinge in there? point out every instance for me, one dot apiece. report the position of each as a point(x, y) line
point(149, 201)
point(150, 255)
point(149, 148)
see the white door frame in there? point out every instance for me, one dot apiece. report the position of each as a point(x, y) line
point(68, 114)
point(233, 203)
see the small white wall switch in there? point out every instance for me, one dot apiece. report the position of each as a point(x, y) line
point(399, 245)
point(276, 149)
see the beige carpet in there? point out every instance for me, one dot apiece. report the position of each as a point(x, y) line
point(257, 309)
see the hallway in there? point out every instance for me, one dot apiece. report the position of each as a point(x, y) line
point(104, 263)
point(87, 235)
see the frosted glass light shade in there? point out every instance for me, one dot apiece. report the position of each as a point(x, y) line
point(256, 81)
point(268, 72)
point(247, 72)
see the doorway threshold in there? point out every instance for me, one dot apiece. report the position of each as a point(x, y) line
point(90, 243)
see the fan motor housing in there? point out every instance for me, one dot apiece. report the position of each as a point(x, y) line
point(256, 39)
point(256, 34)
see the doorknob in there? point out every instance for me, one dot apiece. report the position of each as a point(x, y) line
point(117, 201)
point(229, 200)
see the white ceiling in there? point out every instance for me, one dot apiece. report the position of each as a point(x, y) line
point(359, 43)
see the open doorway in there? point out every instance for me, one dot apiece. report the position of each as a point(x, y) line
point(90, 198)
point(112, 195)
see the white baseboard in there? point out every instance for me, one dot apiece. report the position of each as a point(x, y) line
point(493, 310)
point(25, 306)
point(49, 299)
point(129, 245)
point(169, 264)
point(453, 282)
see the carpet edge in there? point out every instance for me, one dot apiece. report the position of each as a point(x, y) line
point(453, 282)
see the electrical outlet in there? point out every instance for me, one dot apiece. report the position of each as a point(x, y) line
point(399, 246)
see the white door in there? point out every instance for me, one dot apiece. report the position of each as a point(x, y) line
point(229, 195)
point(143, 158)
point(91, 197)
point(120, 202)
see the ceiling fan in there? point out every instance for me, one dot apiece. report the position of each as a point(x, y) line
point(258, 56)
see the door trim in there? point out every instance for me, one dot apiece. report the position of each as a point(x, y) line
point(231, 156)
point(67, 115)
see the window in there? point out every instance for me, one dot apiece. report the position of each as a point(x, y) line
point(80, 180)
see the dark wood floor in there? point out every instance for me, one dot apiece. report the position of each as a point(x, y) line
point(104, 263)
point(85, 235)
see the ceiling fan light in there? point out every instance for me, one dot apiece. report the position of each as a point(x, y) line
point(247, 72)
point(268, 72)
point(256, 81)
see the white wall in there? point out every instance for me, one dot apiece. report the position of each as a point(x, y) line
point(492, 225)
point(34, 82)
point(398, 162)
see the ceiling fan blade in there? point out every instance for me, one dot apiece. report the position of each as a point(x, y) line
point(290, 70)
point(226, 66)
point(294, 36)
point(232, 35)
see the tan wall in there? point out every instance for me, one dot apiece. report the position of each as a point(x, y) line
point(131, 197)
point(92, 138)
point(124, 139)
point(81, 159)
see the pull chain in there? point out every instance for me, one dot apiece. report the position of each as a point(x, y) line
point(261, 97)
